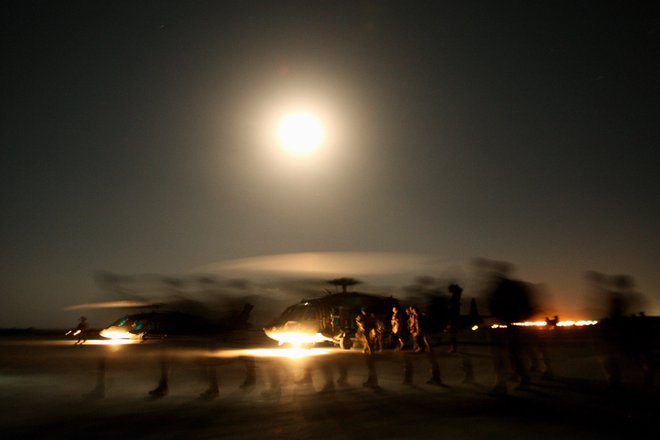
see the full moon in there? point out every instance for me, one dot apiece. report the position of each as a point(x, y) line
point(300, 134)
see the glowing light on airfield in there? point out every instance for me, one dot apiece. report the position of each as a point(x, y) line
point(112, 342)
point(296, 338)
point(580, 323)
point(290, 353)
point(542, 324)
point(116, 333)
point(531, 324)
point(300, 134)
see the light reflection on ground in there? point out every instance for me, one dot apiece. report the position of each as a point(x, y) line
point(183, 350)
point(112, 342)
point(291, 353)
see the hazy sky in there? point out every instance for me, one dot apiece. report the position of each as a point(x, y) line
point(139, 137)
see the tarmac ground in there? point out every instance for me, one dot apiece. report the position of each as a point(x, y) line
point(50, 388)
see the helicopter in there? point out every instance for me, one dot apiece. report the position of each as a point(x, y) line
point(329, 319)
point(173, 324)
point(332, 318)
point(209, 309)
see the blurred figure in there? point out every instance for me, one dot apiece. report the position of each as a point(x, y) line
point(163, 383)
point(98, 392)
point(366, 325)
point(509, 302)
point(398, 323)
point(377, 335)
point(614, 334)
point(328, 366)
point(454, 316)
point(418, 331)
point(419, 334)
point(413, 327)
point(623, 334)
point(274, 371)
point(408, 368)
point(552, 323)
point(250, 373)
point(307, 378)
point(645, 340)
point(210, 372)
point(435, 369)
point(372, 379)
point(366, 328)
point(80, 331)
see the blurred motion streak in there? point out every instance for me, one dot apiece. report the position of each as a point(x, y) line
point(542, 324)
point(291, 353)
point(329, 263)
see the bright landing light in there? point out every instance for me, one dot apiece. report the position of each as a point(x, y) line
point(300, 134)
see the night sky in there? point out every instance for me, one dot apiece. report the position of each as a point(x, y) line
point(138, 137)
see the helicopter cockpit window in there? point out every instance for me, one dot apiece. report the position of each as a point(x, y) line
point(295, 313)
point(311, 314)
point(139, 326)
point(300, 312)
point(122, 322)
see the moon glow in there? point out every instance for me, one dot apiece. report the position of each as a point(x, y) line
point(300, 134)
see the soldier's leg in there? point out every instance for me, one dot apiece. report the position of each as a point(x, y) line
point(372, 380)
point(210, 371)
point(99, 389)
point(408, 371)
point(163, 384)
point(250, 373)
point(435, 369)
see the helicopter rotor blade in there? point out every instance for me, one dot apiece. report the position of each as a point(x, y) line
point(123, 304)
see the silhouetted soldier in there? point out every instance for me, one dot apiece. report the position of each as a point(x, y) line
point(163, 383)
point(552, 323)
point(644, 342)
point(210, 371)
point(335, 320)
point(366, 325)
point(80, 331)
point(509, 302)
point(398, 327)
point(454, 316)
point(378, 333)
point(613, 331)
point(274, 378)
point(626, 336)
point(99, 389)
point(250, 373)
point(413, 327)
point(372, 379)
point(424, 331)
point(328, 366)
point(418, 330)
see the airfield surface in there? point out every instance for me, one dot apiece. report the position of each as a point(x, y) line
point(45, 386)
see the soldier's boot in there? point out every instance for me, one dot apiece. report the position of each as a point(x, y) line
point(499, 390)
point(211, 393)
point(161, 390)
point(97, 393)
point(342, 380)
point(435, 378)
point(248, 383)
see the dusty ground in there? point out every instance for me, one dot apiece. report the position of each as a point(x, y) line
point(43, 382)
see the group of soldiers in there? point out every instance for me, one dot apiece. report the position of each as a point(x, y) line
point(371, 331)
point(408, 324)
